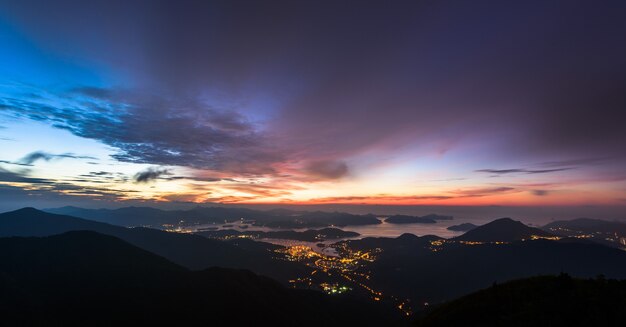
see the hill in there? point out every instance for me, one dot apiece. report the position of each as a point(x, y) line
point(191, 251)
point(405, 243)
point(86, 278)
point(611, 233)
point(462, 227)
point(427, 274)
point(539, 301)
point(586, 225)
point(502, 230)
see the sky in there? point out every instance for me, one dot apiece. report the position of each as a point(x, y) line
point(433, 103)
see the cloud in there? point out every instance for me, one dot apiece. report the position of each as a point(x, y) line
point(150, 174)
point(157, 130)
point(389, 198)
point(386, 74)
point(13, 163)
point(16, 177)
point(540, 192)
point(327, 169)
point(100, 173)
point(381, 198)
point(33, 157)
point(521, 171)
point(43, 188)
point(484, 191)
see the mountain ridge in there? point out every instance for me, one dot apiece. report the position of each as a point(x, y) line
point(191, 251)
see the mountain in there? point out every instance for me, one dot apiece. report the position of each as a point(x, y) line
point(127, 217)
point(502, 230)
point(405, 243)
point(406, 240)
point(539, 301)
point(151, 217)
point(89, 279)
point(586, 225)
point(434, 274)
point(191, 251)
point(404, 219)
point(610, 233)
point(462, 227)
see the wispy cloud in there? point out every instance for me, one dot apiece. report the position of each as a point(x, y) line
point(151, 174)
point(16, 177)
point(484, 191)
point(157, 130)
point(522, 171)
point(380, 198)
point(33, 157)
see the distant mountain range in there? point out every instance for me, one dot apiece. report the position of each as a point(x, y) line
point(89, 279)
point(538, 301)
point(191, 251)
point(145, 216)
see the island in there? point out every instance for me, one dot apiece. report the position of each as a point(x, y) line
point(462, 227)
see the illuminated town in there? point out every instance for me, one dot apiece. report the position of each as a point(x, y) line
point(346, 272)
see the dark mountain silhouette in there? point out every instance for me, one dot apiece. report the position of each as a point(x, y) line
point(586, 225)
point(502, 230)
point(405, 243)
point(462, 227)
point(191, 251)
point(127, 217)
point(610, 233)
point(151, 217)
point(89, 279)
point(310, 235)
point(539, 301)
point(456, 269)
point(404, 219)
